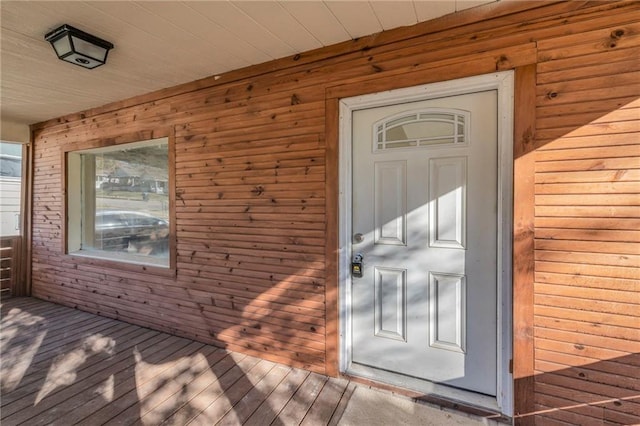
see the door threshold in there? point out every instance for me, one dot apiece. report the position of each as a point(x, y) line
point(443, 396)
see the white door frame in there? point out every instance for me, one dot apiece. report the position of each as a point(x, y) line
point(503, 83)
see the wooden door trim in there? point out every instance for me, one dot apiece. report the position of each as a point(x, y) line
point(332, 318)
point(523, 243)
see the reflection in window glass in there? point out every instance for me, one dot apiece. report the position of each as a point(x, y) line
point(425, 128)
point(10, 188)
point(122, 202)
point(399, 121)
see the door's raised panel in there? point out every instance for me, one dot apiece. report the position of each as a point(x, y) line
point(447, 202)
point(390, 303)
point(390, 202)
point(447, 322)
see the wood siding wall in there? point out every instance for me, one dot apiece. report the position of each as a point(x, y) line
point(587, 227)
point(256, 198)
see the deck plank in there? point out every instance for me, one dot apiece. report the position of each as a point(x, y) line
point(187, 408)
point(322, 410)
point(35, 367)
point(64, 318)
point(342, 404)
point(221, 406)
point(88, 403)
point(61, 367)
point(182, 389)
point(213, 392)
point(129, 401)
point(152, 378)
point(55, 345)
point(65, 379)
point(104, 376)
point(270, 407)
point(245, 407)
point(296, 409)
point(37, 374)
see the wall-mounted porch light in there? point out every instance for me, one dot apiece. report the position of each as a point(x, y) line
point(77, 47)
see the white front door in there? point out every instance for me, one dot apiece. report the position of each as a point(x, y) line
point(424, 217)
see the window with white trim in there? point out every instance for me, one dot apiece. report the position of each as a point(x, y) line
point(118, 202)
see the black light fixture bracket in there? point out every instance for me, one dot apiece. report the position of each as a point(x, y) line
point(78, 47)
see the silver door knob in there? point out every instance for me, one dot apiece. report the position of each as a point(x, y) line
point(358, 238)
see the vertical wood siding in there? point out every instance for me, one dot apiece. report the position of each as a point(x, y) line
point(253, 186)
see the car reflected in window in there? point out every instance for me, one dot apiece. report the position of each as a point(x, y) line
point(132, 232)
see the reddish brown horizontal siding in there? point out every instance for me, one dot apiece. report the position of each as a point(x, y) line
point(256, 178)
point(587, 185)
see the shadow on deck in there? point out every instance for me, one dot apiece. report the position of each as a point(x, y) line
point(61, 366)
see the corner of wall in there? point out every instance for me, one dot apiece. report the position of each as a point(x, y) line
point(13, 131)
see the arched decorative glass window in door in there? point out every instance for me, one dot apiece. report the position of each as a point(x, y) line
point(424, 128)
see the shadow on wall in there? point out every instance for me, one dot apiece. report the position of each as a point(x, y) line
point(608, 392)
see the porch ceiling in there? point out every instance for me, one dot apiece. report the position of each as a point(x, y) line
point(160, 44)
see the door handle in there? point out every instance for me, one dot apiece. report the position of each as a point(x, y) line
point(358, 238)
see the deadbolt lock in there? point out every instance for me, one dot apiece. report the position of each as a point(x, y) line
point(357, 265)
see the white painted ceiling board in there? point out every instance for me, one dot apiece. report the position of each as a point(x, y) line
point(161, 44)
point(208, 34)
point(279, 22)
point(357, 17)
point(428, 10)
point(203, 26)
point(316, 17)
point(177, 43)
point(244, 27)
point(132, 45)
point(30, 70)
point(394, 14)
point(468, 4)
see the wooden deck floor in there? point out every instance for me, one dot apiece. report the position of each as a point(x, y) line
point(61, 366)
